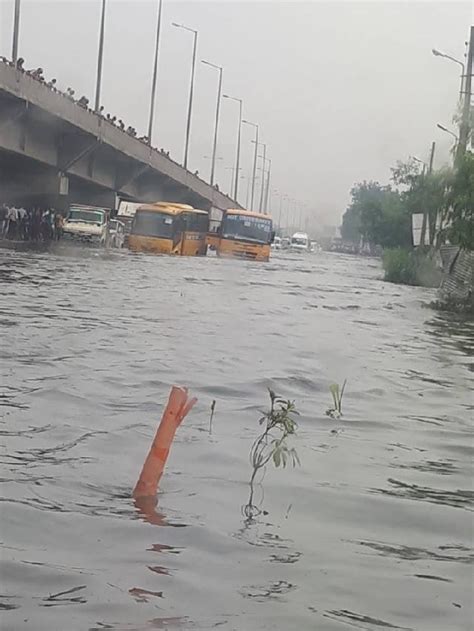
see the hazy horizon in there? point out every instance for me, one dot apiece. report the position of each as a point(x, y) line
point(341, 90)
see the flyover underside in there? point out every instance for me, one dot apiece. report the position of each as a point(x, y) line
point(46, 160)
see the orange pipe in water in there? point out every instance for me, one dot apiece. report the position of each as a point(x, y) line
point(178, 406)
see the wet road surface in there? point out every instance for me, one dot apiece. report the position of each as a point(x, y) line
point(373, 531)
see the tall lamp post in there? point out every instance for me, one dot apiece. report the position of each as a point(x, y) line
point(254, 168)
point(429, 219)
point(239, 135)
point(438, 53)
point(266, 183)
point(262, 189)
point(100, 58)
point(269, 172)
point(155, 72)
point(282, 197)
point(448, 131)
point(216, 124)
point(465, 125)
point(191, 90)
point(16, 31)
point(288, 209)
point(232, 178)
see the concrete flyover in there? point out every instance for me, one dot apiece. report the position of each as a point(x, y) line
point(54, 152)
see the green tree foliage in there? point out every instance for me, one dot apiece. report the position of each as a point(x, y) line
point(376, 214)
point(381, 215)
point(460, 207)
point(424, 192)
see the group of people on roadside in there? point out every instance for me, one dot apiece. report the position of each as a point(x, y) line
point(19, 224)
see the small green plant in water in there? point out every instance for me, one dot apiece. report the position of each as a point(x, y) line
point(337, 393)
point(278, 424)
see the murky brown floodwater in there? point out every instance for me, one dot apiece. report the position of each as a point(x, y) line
point(372, 532)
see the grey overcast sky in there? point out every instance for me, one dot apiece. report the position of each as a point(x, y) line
point(341, 90)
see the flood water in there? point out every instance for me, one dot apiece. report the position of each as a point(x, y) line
point(372, 531)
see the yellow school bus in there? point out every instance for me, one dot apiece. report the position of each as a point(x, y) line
point(169, 228)
point(243, 234)
point(196, 226)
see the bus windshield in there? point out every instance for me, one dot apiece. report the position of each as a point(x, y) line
point(196, 222)
point(152, 224)
point(247, 228)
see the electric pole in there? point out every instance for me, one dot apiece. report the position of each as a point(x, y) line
point(466, 110)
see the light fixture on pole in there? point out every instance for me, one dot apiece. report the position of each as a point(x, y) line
point(191, 90)
point(239, 135)
point(448, 131)
point(438, 53)
point(155, 72)
point(216, 124)
point(254, 169)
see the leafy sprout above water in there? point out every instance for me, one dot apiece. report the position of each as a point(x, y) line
point(337, 393)
point(272, 444)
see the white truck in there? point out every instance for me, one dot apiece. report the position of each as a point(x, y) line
point(300, 242)
point(87, 224)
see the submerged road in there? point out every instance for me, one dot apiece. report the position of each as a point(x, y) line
point(372, 531)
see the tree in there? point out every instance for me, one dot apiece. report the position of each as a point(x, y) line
point(406, 174)
point(425, 192)
point(377, 215)
point(460, 212)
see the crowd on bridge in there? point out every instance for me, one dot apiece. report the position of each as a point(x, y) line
point(83, 101)
point(19, 224)
point(70, 94)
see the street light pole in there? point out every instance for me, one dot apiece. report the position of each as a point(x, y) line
point(247, 196)
point(216, 124)
point(155, 72)
point(288, 209)
point(466, 110)
point(426, 221)
point(254, 169)
point(262, 189)
point(239, 135)
point(268, 183)
point(191, 91)
point(16, 31)
point(448, 131)
point(100, 58)
point(438, 53)
point(282, 197)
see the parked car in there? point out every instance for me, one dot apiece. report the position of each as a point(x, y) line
point(276, 245)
